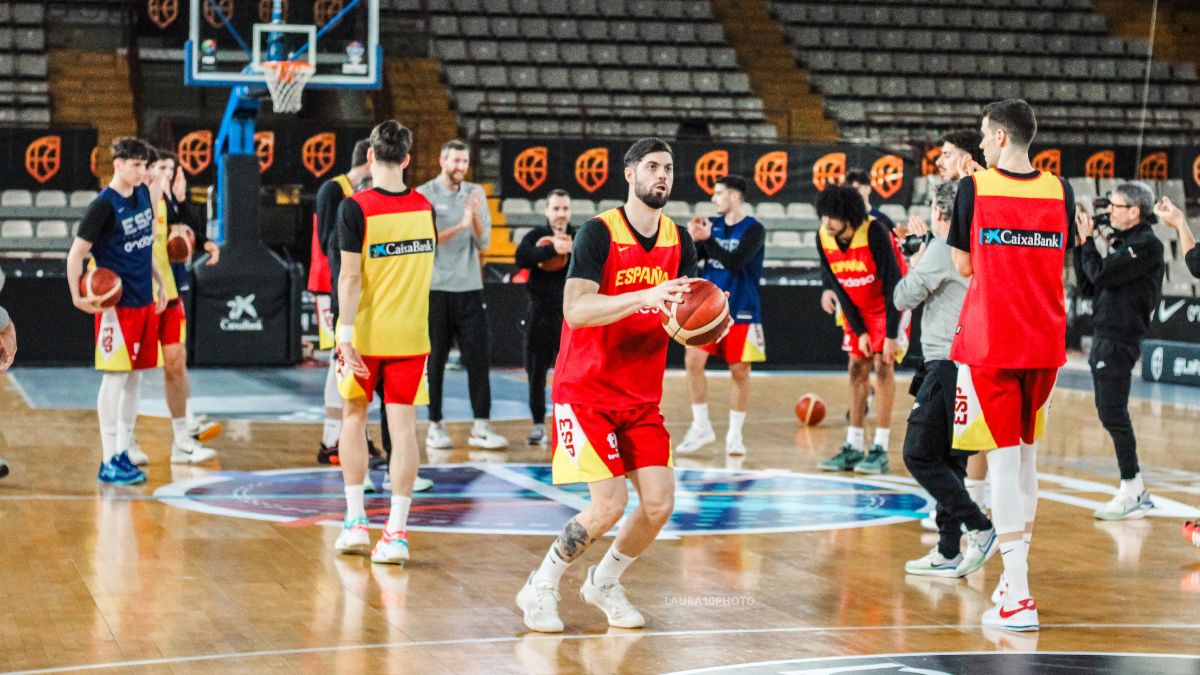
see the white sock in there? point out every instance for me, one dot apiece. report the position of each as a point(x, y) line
point(975, 489)
point(191, 415)
point(354, 502)
point(737, 418)
point(881, 438)
point(480, 427)
point(333, 431)
point(552, 568)
point(855, 436)
point(1133, 487)
point(1016, 570)
point(127, 415)
point(1029, 480)
point(700, 415)
point(1008, 508)
point(612, 566)
point(398, 517)
point(179, 425)
point(108, 409)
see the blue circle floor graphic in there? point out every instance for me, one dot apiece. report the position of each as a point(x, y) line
point(972, 663)
point(496, 498)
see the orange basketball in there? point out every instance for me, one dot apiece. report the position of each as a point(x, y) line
point(557, 262)
point(700, 318)
point(810, 410)
point(101, 286)
point(179, 247)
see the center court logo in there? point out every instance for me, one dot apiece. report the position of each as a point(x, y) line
point(408, 247)
point(1005, 236)
point(242, 315)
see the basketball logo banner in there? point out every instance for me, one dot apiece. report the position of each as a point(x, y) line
point(210, 14)
point(591, 169)
point(770, 172)
point(265, 7)
point(1196, 171)
point(710, 167)
point(1153, 166)
point(529, 168)
point(264, 148)
point(318, 153)
point(324, 10)
point(163, 13)
point(1048, 160)
point(930, 161)
point(887, 175)
point(1101, 164)
point(830, 169)
point(43, 157)
point(195, 151)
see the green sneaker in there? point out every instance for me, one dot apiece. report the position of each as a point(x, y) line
point(843, 461)
point(875, 463)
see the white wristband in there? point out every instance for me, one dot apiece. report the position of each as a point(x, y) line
point(345, 334)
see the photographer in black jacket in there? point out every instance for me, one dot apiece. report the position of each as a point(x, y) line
point(1120, 261)
point(543, 324)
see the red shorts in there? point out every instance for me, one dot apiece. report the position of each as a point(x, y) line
point(127, 339)
point(403, 380)
point(1001, 408)
point(172, 324)
point(743, 344)
point(877, 329)
point(592, 444)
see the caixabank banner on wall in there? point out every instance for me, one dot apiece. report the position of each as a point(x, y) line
point(288, 154)
point(530, 168)
point(48, 159)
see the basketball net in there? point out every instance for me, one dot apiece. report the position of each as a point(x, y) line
point(286, 80)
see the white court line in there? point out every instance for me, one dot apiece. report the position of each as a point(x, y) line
point(622, 635)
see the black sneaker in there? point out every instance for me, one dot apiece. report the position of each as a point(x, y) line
point(3, 468)
point(328, 455)
point(846, 459)
point(377, 458)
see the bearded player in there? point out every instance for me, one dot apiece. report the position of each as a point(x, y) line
point(628, 263)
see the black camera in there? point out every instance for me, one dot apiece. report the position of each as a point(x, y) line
point(912, 243)
point(1101, 219)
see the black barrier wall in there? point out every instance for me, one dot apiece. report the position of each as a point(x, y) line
point(530, 168)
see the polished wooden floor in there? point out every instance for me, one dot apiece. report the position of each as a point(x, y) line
point(117, 577)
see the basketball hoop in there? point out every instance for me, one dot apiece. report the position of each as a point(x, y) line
point(286, 80)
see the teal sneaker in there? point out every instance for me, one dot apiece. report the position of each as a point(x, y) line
point(875, 463)
point(845, 460)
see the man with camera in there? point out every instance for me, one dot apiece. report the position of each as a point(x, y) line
point(1120, 262)
point(933, 281)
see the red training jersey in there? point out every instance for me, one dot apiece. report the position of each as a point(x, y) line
point(856, 270)
point(621, 365)
point(1015, 314)
point(319, 276)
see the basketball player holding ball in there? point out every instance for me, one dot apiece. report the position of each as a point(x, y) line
point(629, 264)
point(544, 251)
point(118, 231)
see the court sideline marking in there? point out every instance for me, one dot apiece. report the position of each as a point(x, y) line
point(525, 638)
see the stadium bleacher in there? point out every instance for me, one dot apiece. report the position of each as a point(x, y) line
point(24, 95)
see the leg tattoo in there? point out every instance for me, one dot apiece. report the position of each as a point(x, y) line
point(573, 540)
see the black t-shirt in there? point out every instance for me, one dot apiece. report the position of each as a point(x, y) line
point(97, 220)
point(545, 288)
point(964, 210)
point(593, 242)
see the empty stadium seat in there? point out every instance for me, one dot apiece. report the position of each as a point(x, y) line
point(81, 198)
point(770, 210)
point(16, 198)
point(53, 229)
point(50, 198)
point(16, 229)
point(514, 205)
point(801, 211)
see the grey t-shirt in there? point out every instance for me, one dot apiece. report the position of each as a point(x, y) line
point(935, 282)
point(456, 263)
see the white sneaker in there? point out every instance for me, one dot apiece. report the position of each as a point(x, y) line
point(696, 437)
point(981, 546)
point(191, 452)
point(355, 537)
point(485, 437)
point(1019, 616)
point(1125, 506)
point(929, 522)
point(934, 564)
point(391, 549)
point(438, 437)
point(611, 600)
point(539, 602)
point(203, 429)
point(734, 445)
point(421, 484)
point(136, 455)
